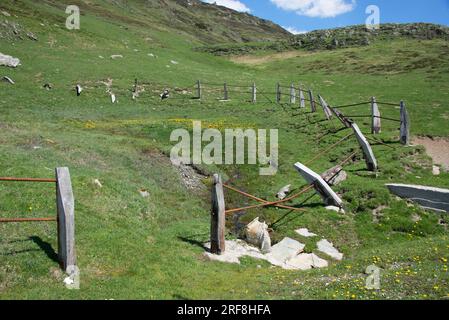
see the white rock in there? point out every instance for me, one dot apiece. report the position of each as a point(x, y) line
point(329, 249)
point(8, 79)
point(283, 192)
point(113, 98)
point(116, 56)
point(69, 281)
point(305, 261)
point(305, 233)
point(284, 250)
point(235, 250)
point(334, 208)
point(256, 233)
point(436, 170)
point(144, 193)
point(9, 61)
point(98, 183)
point(6, 14)
point(174, 62)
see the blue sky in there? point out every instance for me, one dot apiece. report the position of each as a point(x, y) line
point(307, 15)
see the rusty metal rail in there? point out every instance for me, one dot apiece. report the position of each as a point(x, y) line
point(7, 220)
point(12, 179)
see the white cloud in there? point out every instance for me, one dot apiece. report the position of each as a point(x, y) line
point(232, 4)
point(294, 30)
point(316, 8)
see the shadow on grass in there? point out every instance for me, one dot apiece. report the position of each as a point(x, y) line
point(46, 247)
point(193, 241)
point(43, 246)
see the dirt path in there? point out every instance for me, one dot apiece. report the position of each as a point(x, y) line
point(436, 148)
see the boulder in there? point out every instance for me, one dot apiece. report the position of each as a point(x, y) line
point(9, 61)
point(329, 249)
point(305, 261)
point(256, 233)
point(282, 194)
point(284, 250)
point(305, 233)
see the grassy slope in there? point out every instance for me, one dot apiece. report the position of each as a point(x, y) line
point(131, 247)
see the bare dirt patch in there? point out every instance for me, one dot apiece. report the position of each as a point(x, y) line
point(436, 148)
point(255, 60)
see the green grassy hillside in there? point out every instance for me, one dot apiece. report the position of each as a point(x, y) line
point(129, 246)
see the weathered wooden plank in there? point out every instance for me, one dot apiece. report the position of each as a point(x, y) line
point(218, 218)
point(345, 121)
point(292, 94)
point(302, 100)
point(254, 93)
point(368, 153)
point(278, 93)
point(199, 90)
point(312, 101)
point(375, 113)
point(225, 91)
point(405, 125)
point(326, 109)
point(65, 203)
point(436, 199)
point(321, 187)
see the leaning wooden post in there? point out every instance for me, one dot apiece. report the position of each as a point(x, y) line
point(368, 154)
point(218, 218)
point(199, 89)
point(302, 100)
point(65, 204)
point(278, 93)
point(292, 94)
point(254, 93)
point(405, 125)
point(375, 113)
point(312, 101)
point(225, 90)
point(326, 109)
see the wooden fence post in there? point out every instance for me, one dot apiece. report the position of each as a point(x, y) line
point(368, 154)
point(375, 113)
point(278, 93)
point(405, 125)
point(65, 204)
point(312, 101)
point(225, 89)
point(326, 109)
point(302, 100)
point(321, 186)
point(199, 90)
point(292, 94)
point(254, 93)
point(218, 218)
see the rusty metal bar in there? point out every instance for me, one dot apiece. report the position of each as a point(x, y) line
point(5, 220)
point(27, 179)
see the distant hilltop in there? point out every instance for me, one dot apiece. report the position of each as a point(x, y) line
point(351, 36)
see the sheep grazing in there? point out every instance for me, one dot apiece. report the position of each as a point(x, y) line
point(78, 90)
point(165, 95)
